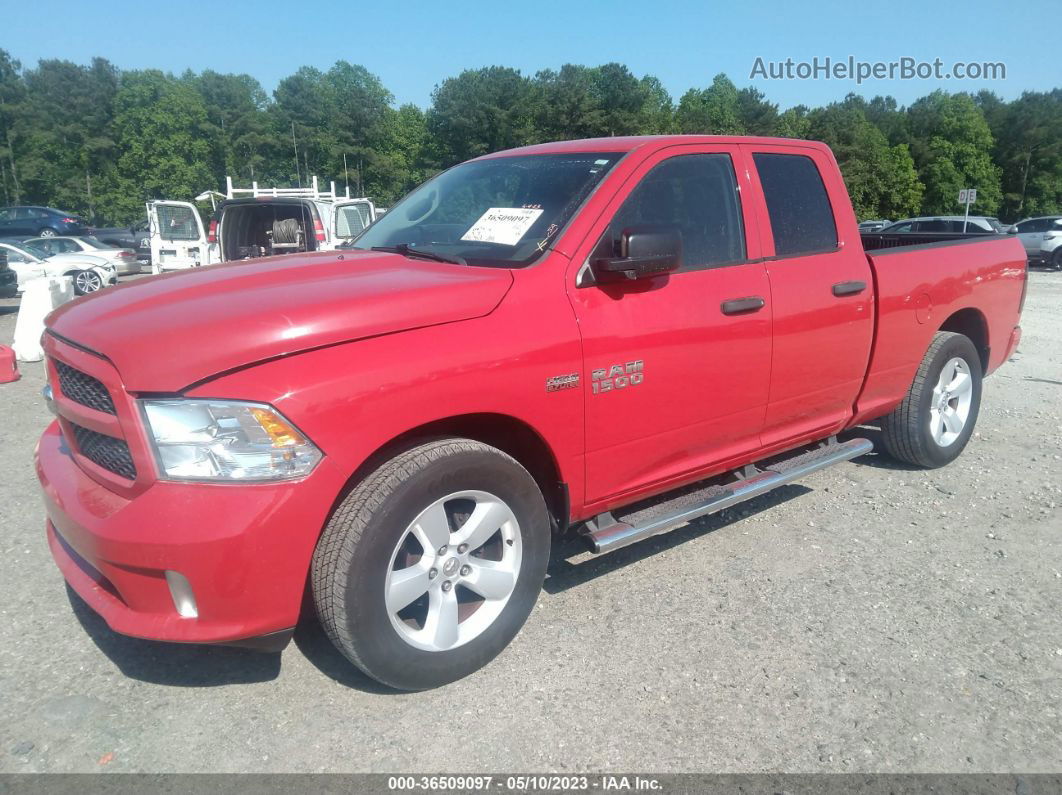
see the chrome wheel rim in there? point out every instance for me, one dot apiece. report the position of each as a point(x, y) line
point(952, 398)
point(453, 570)
point(88, 282)
point(47, 233)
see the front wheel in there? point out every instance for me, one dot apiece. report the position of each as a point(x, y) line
point(934, 422)
point(428, 568)
point(87, 282)
point(1056, 259)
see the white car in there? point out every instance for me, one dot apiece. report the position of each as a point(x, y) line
point(1042, 238)
point(123, 259)
point(88, 273)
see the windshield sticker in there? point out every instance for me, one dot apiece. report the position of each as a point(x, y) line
point(505, 226)
point(549, 233)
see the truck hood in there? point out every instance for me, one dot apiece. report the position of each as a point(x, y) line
point(170, 331)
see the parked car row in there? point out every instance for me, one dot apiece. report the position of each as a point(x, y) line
point(30, 261)
point(1041, 236)
point(974, 224)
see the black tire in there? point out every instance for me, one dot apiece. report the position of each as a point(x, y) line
point(93, 282)
point(1056, 259)
point(906, 431)
point(47, 232)
point(354, 554)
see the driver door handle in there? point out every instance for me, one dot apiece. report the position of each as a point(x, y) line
point(741, 306)
point(849, 288)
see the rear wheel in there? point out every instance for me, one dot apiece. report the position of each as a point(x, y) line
point(429, 567)
point(47, 232)
point(934, 422)
point(1056, 259)
point(87, 282)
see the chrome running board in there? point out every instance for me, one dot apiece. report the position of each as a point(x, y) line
point(607, 532)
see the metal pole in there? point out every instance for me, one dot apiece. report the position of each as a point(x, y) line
point(966, 219)
point(346, 176)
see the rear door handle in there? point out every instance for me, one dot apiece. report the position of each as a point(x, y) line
point(740, 306)
point(849, 288)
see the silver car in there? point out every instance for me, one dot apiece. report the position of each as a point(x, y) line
point(123, 259)
point(1042, 238)
point(975, 224)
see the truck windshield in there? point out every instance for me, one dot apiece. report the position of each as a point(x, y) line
point(502, 212)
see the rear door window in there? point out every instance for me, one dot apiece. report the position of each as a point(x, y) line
point(801, 216)
point(351, 220)
point(177, 222)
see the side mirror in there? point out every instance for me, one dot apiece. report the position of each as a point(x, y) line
point(1012, 230)
point(645, 251)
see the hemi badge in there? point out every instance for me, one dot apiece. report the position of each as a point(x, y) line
point(559, 382)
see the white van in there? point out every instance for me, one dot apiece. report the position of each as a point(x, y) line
point(254, 222)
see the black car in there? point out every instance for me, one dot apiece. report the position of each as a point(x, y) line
point(135, 237)
point(40, 222)
point(8, 278)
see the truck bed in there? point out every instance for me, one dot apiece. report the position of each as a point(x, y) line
point(967, 283)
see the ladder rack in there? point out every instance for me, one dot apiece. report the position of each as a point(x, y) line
point(313, 192)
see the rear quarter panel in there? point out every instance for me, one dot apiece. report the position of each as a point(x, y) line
point(918, 289)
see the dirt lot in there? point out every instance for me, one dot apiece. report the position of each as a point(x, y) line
point(871, 619)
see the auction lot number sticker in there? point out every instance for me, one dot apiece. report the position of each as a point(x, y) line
point(503, 225)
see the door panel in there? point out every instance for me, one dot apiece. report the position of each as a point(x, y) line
point(178, 239)
point(821, 290)
point(672, 384)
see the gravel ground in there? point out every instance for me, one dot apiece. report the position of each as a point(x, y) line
point(873, 618)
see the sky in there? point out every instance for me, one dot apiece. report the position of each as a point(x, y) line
point(413, 46)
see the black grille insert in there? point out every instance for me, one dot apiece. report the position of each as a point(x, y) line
point(105, 451)
point(84, 389)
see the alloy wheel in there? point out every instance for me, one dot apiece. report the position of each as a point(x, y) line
point(453, 570)
point(88, 282)
point(952, 398)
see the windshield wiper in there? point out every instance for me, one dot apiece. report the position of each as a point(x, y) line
point(407, 250)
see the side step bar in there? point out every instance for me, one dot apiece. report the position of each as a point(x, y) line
point(606, 533)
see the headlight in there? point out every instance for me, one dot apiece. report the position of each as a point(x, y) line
point(226, 440)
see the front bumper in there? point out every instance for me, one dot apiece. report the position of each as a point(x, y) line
point(244, 550)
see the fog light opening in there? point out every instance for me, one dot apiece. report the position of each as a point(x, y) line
point(181, 591)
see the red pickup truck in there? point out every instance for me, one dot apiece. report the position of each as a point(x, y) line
point(614, 336)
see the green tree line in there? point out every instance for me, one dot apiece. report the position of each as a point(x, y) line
point(100, 141)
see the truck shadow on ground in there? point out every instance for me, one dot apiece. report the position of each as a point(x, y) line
point(179, 665)
point(174, 664)
point(562, 574)
point(311, 640)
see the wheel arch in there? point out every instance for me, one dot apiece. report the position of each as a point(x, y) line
point(505, 432)
point(971, 323)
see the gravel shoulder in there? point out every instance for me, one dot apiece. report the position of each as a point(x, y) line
point(872, 618)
